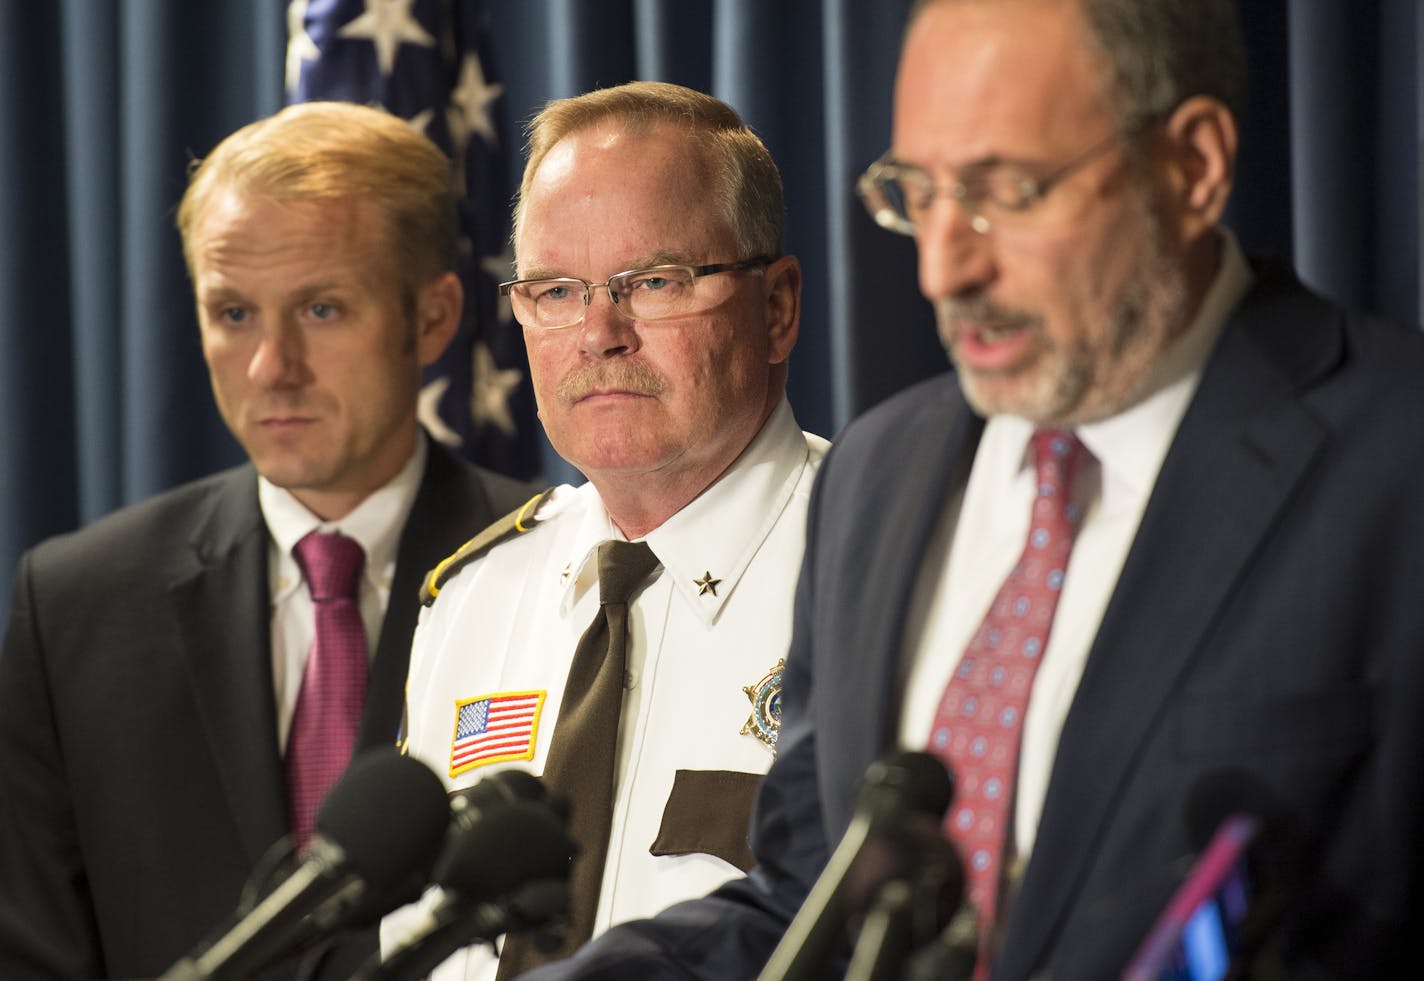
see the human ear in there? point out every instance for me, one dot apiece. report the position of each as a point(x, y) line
point(437, 316)
point(1198, 161)
point(782, 288)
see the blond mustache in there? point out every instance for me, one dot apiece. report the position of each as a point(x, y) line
point(626, 376)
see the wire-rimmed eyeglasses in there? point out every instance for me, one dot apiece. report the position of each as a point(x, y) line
point(654, 293)
point(899, 195)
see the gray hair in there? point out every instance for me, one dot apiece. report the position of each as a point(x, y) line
point(1162, 52)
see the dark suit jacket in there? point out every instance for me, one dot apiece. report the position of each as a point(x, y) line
point(140, 780)
point(1268, 618)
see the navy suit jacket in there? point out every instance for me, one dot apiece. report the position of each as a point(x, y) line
point(140, 778)
point(1268, 618)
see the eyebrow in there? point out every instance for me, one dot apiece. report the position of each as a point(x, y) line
point(220, 293)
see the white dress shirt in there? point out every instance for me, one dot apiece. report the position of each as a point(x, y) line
point(714, 620)
point(982, 532)
point(375, 523)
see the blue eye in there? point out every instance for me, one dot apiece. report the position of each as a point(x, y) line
point(323, 311)
point(233, 315)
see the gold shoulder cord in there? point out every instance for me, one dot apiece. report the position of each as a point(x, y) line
point(516, 522)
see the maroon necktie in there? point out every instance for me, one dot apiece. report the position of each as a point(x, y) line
point(328, 711)
point(980, 717)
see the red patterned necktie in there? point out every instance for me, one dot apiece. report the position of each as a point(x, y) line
point(333, 691)
point(980, 717)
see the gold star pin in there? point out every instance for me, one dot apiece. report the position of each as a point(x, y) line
point(564, 576)
point(706, 584)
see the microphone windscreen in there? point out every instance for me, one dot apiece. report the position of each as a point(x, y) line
point(908, 781)
point(500, 787)
point(520, 785)
point(510, 845)
point(388, 813)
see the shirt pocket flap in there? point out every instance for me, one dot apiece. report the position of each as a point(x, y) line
point(709, 812)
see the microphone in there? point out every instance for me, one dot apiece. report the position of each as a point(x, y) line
point(901, 803)
point(364, 849)
point(467, 806)
point(1241, 863)
point(505, 868)
point(951, 955)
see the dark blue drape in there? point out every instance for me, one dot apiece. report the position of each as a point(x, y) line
point(104, 398)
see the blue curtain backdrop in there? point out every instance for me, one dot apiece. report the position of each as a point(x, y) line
point(103, 395)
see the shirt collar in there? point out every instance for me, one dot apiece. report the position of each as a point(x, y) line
point(375, 523)
point(707, 546)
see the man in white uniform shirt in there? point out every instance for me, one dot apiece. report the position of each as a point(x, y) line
point(659, 313)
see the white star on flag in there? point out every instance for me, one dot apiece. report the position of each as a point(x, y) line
point(428, 412)
point(470, 103)
point(388, 24)
point(300, 46)
point(490, 389)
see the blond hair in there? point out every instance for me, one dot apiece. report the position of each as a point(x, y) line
point(331, 151)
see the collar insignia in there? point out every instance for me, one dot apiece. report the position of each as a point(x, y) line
point(706, 584)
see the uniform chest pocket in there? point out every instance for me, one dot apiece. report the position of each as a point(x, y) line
point(709, 812)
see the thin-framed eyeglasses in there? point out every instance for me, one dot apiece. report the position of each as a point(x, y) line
point(898, 195)
point(654, 293)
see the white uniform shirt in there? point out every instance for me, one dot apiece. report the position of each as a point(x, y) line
point(981, 535)
point(713, 621)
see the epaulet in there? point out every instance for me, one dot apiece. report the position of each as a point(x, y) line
point(516, 522)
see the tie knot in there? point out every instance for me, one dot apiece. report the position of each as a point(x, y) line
point(331, 564)
point(1056, 456)
point(622, 566)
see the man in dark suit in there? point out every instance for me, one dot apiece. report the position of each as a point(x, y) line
point(1231, 622)
point(155, 661)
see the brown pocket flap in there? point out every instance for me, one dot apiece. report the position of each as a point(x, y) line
point(709, 812)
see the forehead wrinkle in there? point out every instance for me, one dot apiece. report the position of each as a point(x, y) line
point(661, 258)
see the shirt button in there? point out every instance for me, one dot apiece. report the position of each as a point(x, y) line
point(628, 680)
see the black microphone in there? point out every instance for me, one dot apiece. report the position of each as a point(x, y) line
point(901, 803)
point(505, 869)
point(1129, 923)
point(468, 806)
point(364, 846)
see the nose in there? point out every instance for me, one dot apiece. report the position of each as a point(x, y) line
point(279, 361)
point(956, 256)
point(605, 331)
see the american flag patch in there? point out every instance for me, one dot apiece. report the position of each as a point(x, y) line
point(495, 728)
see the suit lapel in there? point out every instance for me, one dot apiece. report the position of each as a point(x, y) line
point(451, 506)
point(1243, 447)
point(923, 460)
point(221, 605)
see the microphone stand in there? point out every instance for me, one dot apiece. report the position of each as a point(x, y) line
point(884, 940)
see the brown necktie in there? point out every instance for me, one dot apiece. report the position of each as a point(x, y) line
point(583, 756)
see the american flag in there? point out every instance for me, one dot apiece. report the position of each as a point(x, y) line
point(494, 729)
point(426, 61)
